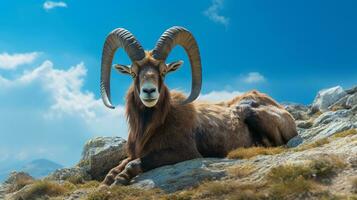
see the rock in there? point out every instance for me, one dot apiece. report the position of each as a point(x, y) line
point(331, 116)
point(298, 111)
point(303, 124)
point(351, 100)
point(341, 103)
point(15, 176)
point(3, 190)
point(327, 97)
point(352, 90)
point(70, 173)
point(78, 194)
point(183, 175)
point(329, 123)
point(102, 154)
point(295, 141)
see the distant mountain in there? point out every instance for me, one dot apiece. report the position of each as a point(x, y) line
point(40, 168)
point(37, 168)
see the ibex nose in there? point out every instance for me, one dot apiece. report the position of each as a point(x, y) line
point(149, 90)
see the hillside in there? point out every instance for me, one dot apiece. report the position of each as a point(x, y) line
point(38, 168)
point(319, 163)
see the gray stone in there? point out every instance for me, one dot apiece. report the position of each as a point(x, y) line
point(329, 123)
point(295, 141)
point(327, 97)
point(303, 124)
point(341, 103)
point(3, 190)
point(352, 90)
point(352, 100)
point(183, 175)
point(67, 173)
point(298, 111)
point(78, 194)
point(102, 154)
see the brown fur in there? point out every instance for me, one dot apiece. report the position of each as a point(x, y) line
point(170, 132)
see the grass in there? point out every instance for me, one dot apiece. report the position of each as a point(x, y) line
point(337, 107)
point(246, 153)
point(42, 188)
point(126, 193)
point(222, 190)
point(354, 185)
point(316, 169)
point(301, 181)
point(314, 144)
point(76, 179)
point(240, 170)
point(19, 183)
point(290, 181)
point(345, 133)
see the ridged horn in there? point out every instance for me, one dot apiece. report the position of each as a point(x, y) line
point(118, 38)
point(180, 36)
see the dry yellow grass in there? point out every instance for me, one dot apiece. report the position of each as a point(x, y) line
point(222, 190)
point(345, 133)
point(126, 193)
point(337, 107)
point(241, 171)
point(354, 185)
point(19, 183)
point(41, 189)
point(245, 153)
point(322, 167)
point(311, 145)
point(301, 181)
point(282, 182)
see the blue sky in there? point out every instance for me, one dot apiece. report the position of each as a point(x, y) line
point(50, 60)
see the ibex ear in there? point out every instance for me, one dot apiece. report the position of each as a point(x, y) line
point(123, 69)
point(173, 66)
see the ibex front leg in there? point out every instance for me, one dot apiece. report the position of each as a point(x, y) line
point(151, 161)
point(110, 177)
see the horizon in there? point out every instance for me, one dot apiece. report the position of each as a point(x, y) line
point(50, 53)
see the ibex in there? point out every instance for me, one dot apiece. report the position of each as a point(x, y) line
point(165, 127)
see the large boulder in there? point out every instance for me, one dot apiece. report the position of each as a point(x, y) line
point(327, 97)
point(184, 175)
point(102, 154)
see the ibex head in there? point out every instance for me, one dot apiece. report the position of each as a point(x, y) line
point(148, 68)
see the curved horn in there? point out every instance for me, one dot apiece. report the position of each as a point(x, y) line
point(118, 38)
point(180, 36)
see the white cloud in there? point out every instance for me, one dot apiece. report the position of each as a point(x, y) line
point(48, 5)
point(212, 13)
point(12, 61)
point(55, 113)
point(217, 96)
point(254, 77)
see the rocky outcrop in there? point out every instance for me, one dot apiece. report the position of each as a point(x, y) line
point(102, 154)
point(79, 173)
point(99, 156)
point(298, 111)
point(319, 138)
point(327, 97)
point(184, 174)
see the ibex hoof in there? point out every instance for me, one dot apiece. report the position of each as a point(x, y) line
point(120, 181)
